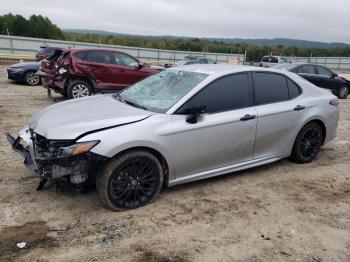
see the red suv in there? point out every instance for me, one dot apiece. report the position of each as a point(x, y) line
point(82, 72)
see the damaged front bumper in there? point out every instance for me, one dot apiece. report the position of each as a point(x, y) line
point(39, 158)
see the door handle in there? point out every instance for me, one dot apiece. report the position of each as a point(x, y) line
point(299, 107)
point(248, 117)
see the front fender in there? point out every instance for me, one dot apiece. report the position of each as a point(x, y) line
point(147, 133)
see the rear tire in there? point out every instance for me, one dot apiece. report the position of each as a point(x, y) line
point(343, 92)
point(130, 181)
point(307, 144)
point(79, 88)
point(31, 79)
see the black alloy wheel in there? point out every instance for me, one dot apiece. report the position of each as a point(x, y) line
point(308, 143)
point(343, 92)
point(135, 181)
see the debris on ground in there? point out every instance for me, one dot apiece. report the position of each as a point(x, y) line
point(21, 245)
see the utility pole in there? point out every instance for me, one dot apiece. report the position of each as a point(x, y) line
point(10, 40)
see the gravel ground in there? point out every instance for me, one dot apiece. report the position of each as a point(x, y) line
point(279, 212)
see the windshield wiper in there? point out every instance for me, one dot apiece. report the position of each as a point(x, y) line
point(117, 96)
point(134, 104)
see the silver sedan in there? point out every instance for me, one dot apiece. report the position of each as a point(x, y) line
point(182, 124)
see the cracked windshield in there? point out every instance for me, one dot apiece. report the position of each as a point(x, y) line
point(160, 92)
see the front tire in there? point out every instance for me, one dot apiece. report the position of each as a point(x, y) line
point(130, 181)
point(79, 88)
point(343, 92)
point(307, 144)
point(31, 79)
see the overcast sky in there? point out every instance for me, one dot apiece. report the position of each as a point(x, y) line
point(317, 20)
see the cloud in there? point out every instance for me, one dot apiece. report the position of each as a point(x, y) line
point(299, 19)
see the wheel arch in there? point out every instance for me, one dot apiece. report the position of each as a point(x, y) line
point(161, 158)
point(321, 124)
point(23, 76)
point(87, 79)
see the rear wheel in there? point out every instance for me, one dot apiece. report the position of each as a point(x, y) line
point(307, 144)
point(130, 181)
point(343, 92)
point(32, 79)
point(79, 88)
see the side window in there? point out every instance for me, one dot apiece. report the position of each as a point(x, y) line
point(203, 61)
point(265, 59)
point(307, 69)
point(294, 90)
point(274, 59)
point(98, 57)
point(228, 93)
point(270, 88)
point(211, 61)
point(324, 71)
point(125, 60)
point(283, 60)
point(81, 55)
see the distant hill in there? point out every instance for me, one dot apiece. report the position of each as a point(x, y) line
point(259, 42)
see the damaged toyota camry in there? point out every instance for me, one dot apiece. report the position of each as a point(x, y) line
point(183, 124)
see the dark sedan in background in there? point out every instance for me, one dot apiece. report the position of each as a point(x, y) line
point(24, 73)
point(321, 76)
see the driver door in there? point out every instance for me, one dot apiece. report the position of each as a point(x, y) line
point(126, 70)
point(224, 135)
point(327, 78)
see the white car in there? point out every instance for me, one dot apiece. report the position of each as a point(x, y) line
point(270, 61)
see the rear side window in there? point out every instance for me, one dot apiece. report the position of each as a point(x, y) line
point(224, 94)
point(294, 90)
point(99, 57)
point(307, 69)
point(81, 55)
point(269, 88)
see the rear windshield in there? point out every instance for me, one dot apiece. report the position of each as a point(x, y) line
point(269, 59)
point(57, 55)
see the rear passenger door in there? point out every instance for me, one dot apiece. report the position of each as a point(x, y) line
point(279, 110)
point(97, 65)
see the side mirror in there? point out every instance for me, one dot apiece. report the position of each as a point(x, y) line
point(139, 66)
point(334, 75)
point(194, 113)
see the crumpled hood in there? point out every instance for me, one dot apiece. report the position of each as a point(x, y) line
point(72, 118)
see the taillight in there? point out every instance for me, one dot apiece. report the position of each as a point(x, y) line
point(334, 102)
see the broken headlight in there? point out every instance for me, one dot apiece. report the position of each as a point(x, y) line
point(76, 149)
point(62, 70)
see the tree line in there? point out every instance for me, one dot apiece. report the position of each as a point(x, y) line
point(42, 27)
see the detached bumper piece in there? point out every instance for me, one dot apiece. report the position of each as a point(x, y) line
point(28, 161)
point(16, 146)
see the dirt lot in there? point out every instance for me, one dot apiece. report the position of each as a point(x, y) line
point(279, 212)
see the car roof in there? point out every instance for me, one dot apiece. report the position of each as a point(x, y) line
point(222, 69)
point(92, 49)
